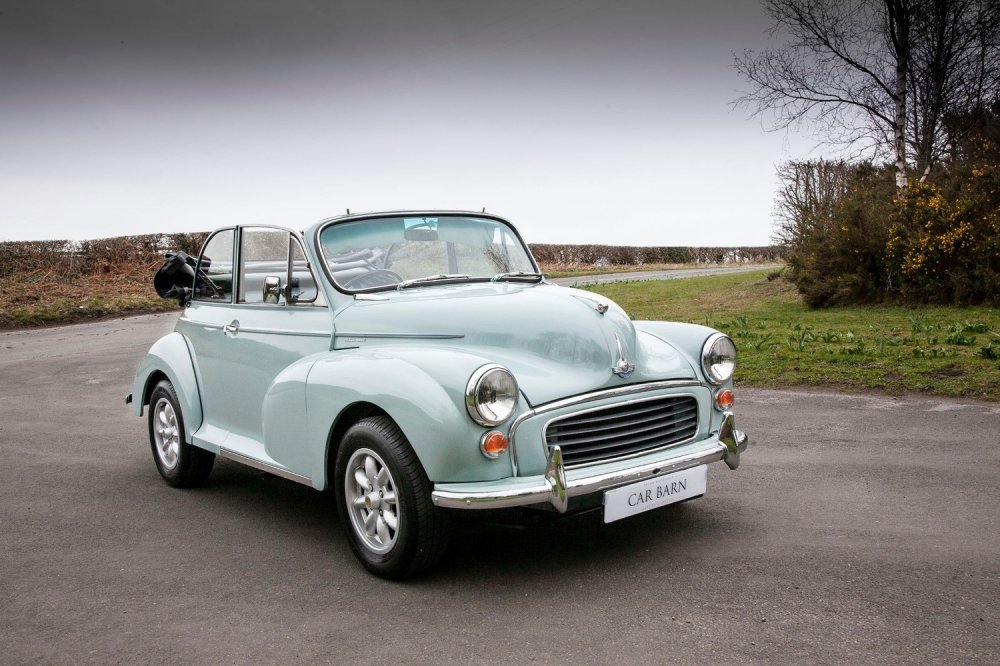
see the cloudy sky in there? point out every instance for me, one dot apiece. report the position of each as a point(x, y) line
point(590, 121)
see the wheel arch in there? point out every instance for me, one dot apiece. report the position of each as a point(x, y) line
point(152, 380)
point(169, 358)
point(421, 390)
point(348, 417)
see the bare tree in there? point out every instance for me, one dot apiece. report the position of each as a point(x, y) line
point(877, 75)
point(809, 194)
point(955, 70)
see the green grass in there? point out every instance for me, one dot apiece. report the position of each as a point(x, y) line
point(940, 350)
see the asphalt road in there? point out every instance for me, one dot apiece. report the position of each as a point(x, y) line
point(858, 529)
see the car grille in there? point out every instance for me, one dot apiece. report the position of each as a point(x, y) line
point(623, 430)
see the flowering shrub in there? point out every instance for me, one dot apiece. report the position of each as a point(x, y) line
point(865, 242)
point(944, 240)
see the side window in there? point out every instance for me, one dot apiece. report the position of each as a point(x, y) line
point(304, 289)
point(214, 276)
point(273, 268)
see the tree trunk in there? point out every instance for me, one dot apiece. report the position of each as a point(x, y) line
point(898, 16)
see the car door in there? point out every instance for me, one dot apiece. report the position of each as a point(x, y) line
point(275, 316)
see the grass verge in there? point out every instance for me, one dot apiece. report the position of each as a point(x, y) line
point(941, 350)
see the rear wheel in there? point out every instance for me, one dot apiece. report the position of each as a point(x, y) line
point(384, 499)
point(179, 463)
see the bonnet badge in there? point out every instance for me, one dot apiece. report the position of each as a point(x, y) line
point(622, 368)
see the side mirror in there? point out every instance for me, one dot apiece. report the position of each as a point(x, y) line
point(272, 289)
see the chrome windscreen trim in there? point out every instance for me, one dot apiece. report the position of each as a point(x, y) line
point(264, 467)
point(590, 397)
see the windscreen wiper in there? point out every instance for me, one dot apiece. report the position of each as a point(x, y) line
point(518, 276)
point(431, 279)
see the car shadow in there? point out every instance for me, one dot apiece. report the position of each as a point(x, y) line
point(485, 549)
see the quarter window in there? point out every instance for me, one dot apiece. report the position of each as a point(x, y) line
point(214, 276)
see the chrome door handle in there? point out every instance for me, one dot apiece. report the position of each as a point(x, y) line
point(233, 327)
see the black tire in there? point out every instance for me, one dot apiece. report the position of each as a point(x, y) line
point(408, 533)
point(179, 463)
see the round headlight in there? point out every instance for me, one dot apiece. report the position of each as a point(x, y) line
point(491, 395)
point(718, 358)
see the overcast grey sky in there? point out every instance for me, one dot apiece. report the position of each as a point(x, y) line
point(591, 121)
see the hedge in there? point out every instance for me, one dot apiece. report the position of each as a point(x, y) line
point(71, 258)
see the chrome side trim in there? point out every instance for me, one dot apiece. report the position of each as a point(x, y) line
point(589, 397)
point(264, 467)
point(404, 336)
point(554, 487)
point(210, 327)
point(230, 328)
point(275, 331)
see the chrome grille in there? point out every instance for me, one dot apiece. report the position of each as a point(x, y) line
point(623, 430)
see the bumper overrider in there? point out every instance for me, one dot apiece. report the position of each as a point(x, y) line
point(558, 484)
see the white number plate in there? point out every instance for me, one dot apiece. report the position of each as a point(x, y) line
point(653, 493)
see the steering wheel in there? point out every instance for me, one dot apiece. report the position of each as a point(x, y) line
point(375, 278)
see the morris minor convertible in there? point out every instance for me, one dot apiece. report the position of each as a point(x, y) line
point(419, 364)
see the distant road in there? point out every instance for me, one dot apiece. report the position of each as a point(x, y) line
point(671, 274)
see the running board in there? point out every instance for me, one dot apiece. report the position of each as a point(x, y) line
point(264, 467)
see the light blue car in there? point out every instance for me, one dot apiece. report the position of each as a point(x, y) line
point(419, 364)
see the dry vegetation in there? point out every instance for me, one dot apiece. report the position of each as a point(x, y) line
point(56, 282)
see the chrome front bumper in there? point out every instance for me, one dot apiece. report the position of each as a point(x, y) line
point(556, 487)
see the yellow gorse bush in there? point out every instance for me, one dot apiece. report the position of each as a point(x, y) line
point(944, 246)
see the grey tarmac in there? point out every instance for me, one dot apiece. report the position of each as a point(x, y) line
point(859, 529)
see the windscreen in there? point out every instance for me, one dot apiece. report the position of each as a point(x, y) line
point(383, 252)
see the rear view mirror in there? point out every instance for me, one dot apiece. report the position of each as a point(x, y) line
point(420, 228)
point(420, 234)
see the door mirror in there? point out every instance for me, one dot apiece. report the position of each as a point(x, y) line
point(272, 289)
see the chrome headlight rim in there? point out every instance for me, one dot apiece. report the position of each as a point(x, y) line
point(710, 358)
point(472, 405)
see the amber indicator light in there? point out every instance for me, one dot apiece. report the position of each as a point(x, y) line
point(494, 443)
point(724, 398)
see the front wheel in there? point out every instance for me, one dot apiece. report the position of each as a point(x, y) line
point(384, 500)
point(179, 463)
